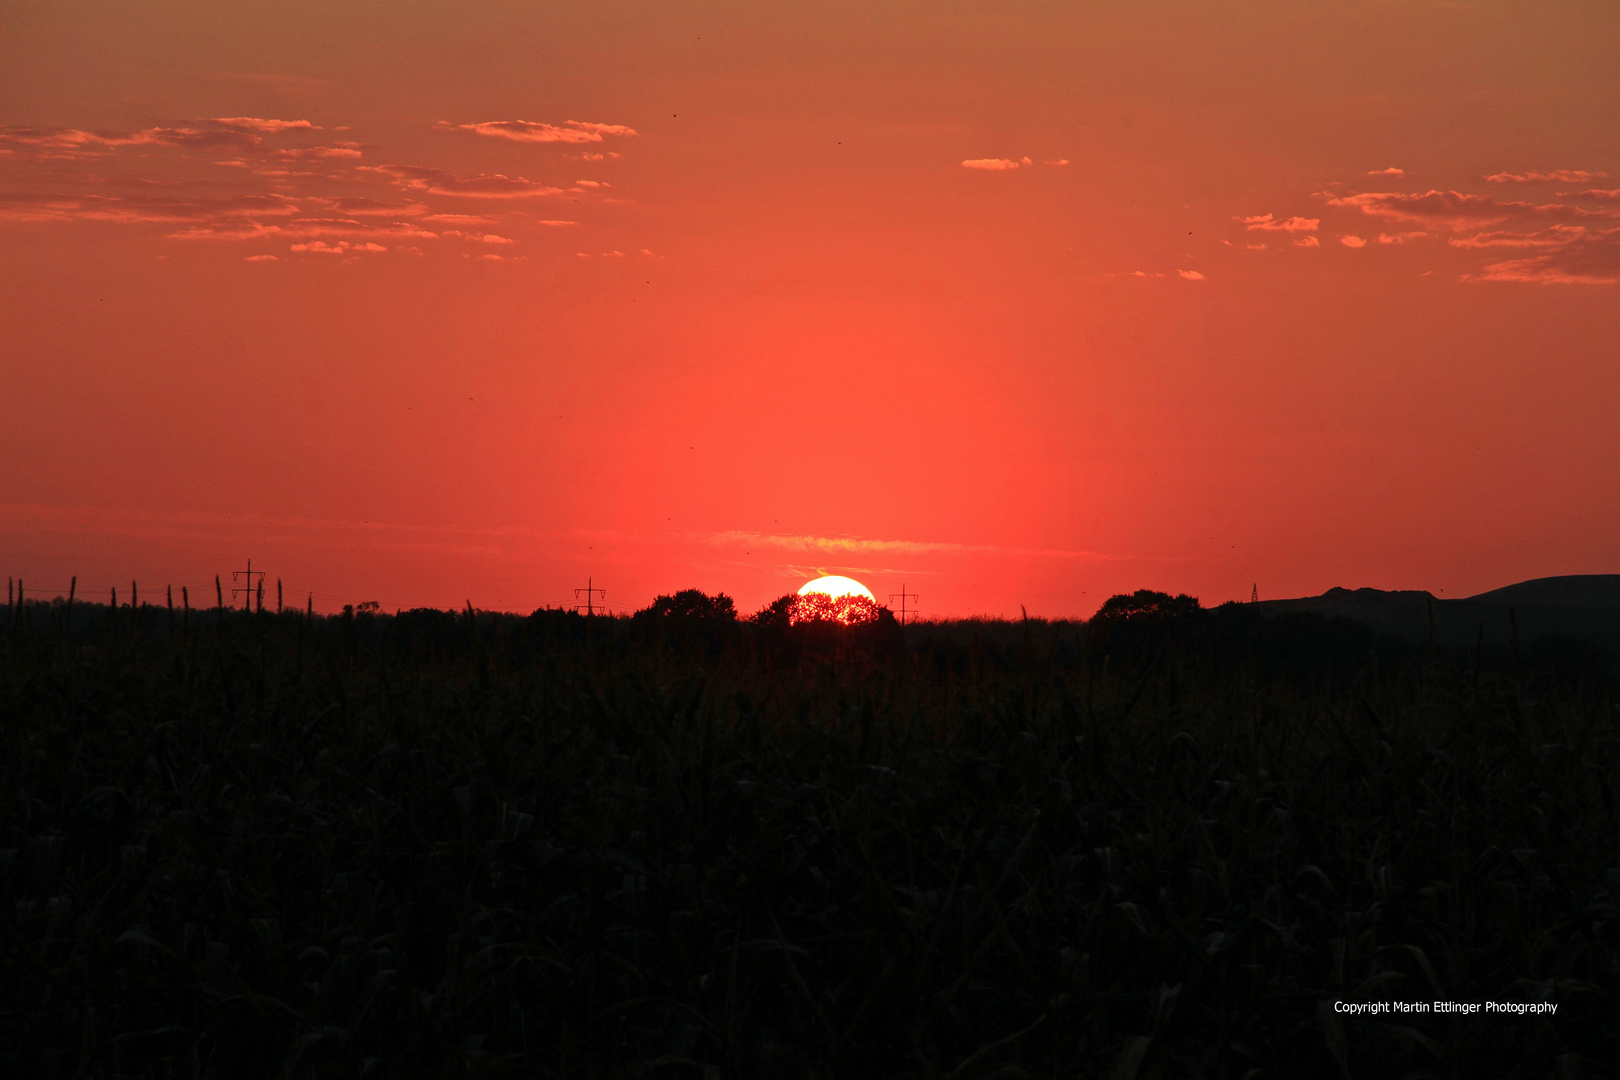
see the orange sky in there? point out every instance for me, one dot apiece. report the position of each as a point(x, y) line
point(1015, 303)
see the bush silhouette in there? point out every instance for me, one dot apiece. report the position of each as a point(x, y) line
point(690, 604)
point(1145, 605)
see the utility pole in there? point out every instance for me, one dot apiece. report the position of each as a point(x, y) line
point(904, 596)
point(590, 590)
point(246, 588)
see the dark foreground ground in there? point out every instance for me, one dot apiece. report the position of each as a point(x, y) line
point(434, 845)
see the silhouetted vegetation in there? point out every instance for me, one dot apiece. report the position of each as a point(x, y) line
point(1145, 605)
point(691, 604)
point(469, 844)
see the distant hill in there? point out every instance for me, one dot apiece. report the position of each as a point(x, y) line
point(1582, 606)
point(1569, 591)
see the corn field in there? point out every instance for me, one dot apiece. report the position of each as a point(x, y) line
point(464, 845)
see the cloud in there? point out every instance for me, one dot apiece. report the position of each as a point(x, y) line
point(1307, 241)
point(1556, 236)
point(1399, 238)
point(1457, 210)
point(857, 545)
point(480, 238)
point(1391, 171)
point(555, 224)
point(75, 139)
point(438, 182)
point(262, 258)
point(1595, 193)
point(990, 164)
point(1570, 257)
point(601, 129)
point(1056, 161)
point(1191, 275)
point(571, 131)
point(460, 219)
point(263, 127)
point(317, 153)
point(30, 207)
point(1270, 223)
point(1352, 241)
point(358, 206)
point(42, 207)
point(591, 183)
point(321, 247)
point(1562, 176)
point(304, 227)
point(351, 227)
point(228, 230)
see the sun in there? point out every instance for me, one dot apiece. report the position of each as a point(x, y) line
point(834, 599)
point(835, 586)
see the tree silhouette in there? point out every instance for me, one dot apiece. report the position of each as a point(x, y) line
point(690, 605)
point(797, 610)
point(1145, 605)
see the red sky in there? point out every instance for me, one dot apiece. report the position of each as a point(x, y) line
point(1015, 303)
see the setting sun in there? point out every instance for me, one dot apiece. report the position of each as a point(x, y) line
point(835, 586)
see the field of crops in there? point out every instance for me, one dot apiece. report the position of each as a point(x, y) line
point(439, 844)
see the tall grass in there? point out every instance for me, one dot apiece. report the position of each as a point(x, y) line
point(476, 845)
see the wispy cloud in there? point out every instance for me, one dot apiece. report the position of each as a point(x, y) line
point(305, 227)
point(994, 164)
point(439, 182)
point(1458, 210)
point(1270, 223)
point(570, 131)
point(1569, 255)
point(1352, 241)
point(1556, 236)
point(460, 219)
point(850, 545)
point(263, 126)
point(240, 133)
point(481, 238)
point(321, 247)
point(360, 206)
point(1190, 275)
point(25, 206)
point(318, 153)
point(76, 139)
point(1391, 171)
point(1561, 176)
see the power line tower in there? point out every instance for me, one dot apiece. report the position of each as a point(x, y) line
point(904, 596)
point(1254, 593)
point(591, 591)
point(246, 577)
